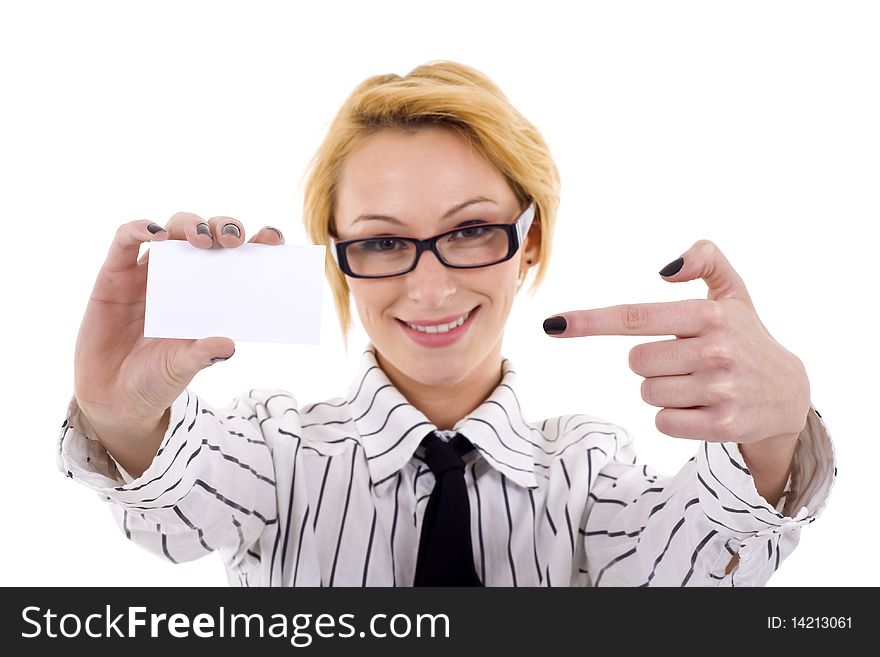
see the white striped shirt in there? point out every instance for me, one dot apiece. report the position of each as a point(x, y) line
point(333, 494)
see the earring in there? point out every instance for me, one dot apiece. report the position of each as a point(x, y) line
point(529, 261)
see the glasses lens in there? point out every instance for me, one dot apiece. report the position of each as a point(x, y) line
point(472, 246)
point(383, 256)
point(469, 246)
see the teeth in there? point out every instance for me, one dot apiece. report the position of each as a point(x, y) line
point(440, 328)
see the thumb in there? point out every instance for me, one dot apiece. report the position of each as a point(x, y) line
point(706, 261)
point(199, 354)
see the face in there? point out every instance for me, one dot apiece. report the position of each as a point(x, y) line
point(418, 184)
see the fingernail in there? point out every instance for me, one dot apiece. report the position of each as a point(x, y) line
point(276, 230)
point(673, 267)
point(203, 229)
point(155, 228)
point(231, 229)
point(555, 325)
point(217, 359)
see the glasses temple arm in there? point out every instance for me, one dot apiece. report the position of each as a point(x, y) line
point(525, 222)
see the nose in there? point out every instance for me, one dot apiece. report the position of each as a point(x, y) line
point(431, 283)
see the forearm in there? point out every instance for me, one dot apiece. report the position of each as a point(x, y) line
point(769, 461)
point(211, 488)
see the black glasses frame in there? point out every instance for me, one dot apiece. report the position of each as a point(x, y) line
point(516, 232)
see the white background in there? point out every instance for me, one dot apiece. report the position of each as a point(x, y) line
point(754, 124)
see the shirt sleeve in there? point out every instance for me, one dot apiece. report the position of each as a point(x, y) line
point(211, 485)
point(647, 530)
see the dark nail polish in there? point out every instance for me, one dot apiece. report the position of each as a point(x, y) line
point(218, 359)
point(276, 230)
point(203, 229)
point(155, 228)
point(673, 267)
point(555, 325)
point(231, 229)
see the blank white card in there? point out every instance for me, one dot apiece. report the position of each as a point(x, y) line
point(253, 293)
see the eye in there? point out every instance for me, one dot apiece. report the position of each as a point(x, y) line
point(382, 245)
point(470, 233)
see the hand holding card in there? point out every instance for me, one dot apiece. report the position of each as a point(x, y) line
point(139, 348)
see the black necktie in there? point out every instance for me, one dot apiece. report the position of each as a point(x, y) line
point(446, 556)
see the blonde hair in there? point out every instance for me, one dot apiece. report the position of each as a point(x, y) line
point(445, 94)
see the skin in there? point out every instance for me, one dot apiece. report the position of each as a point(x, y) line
point(413, 179)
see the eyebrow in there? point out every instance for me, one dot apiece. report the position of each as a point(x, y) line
point(449, 213)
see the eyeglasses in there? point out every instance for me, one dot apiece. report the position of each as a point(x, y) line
point(465, 247)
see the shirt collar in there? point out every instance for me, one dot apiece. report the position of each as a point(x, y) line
point(390, 428)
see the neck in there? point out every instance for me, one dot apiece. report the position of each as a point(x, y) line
point(446, 405)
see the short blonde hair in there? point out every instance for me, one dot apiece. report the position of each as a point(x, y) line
point(444, 94)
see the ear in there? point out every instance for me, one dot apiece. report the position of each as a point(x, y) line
point(532, 248)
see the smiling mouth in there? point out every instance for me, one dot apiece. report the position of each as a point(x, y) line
point(439, 328)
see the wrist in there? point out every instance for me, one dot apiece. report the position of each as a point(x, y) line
point(133, 446)
point(769, 462)
point(774, 452)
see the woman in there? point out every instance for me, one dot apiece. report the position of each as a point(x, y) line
point(436, 198)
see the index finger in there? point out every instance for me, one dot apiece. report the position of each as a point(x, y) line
point(686, 318)
point(123, 252)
